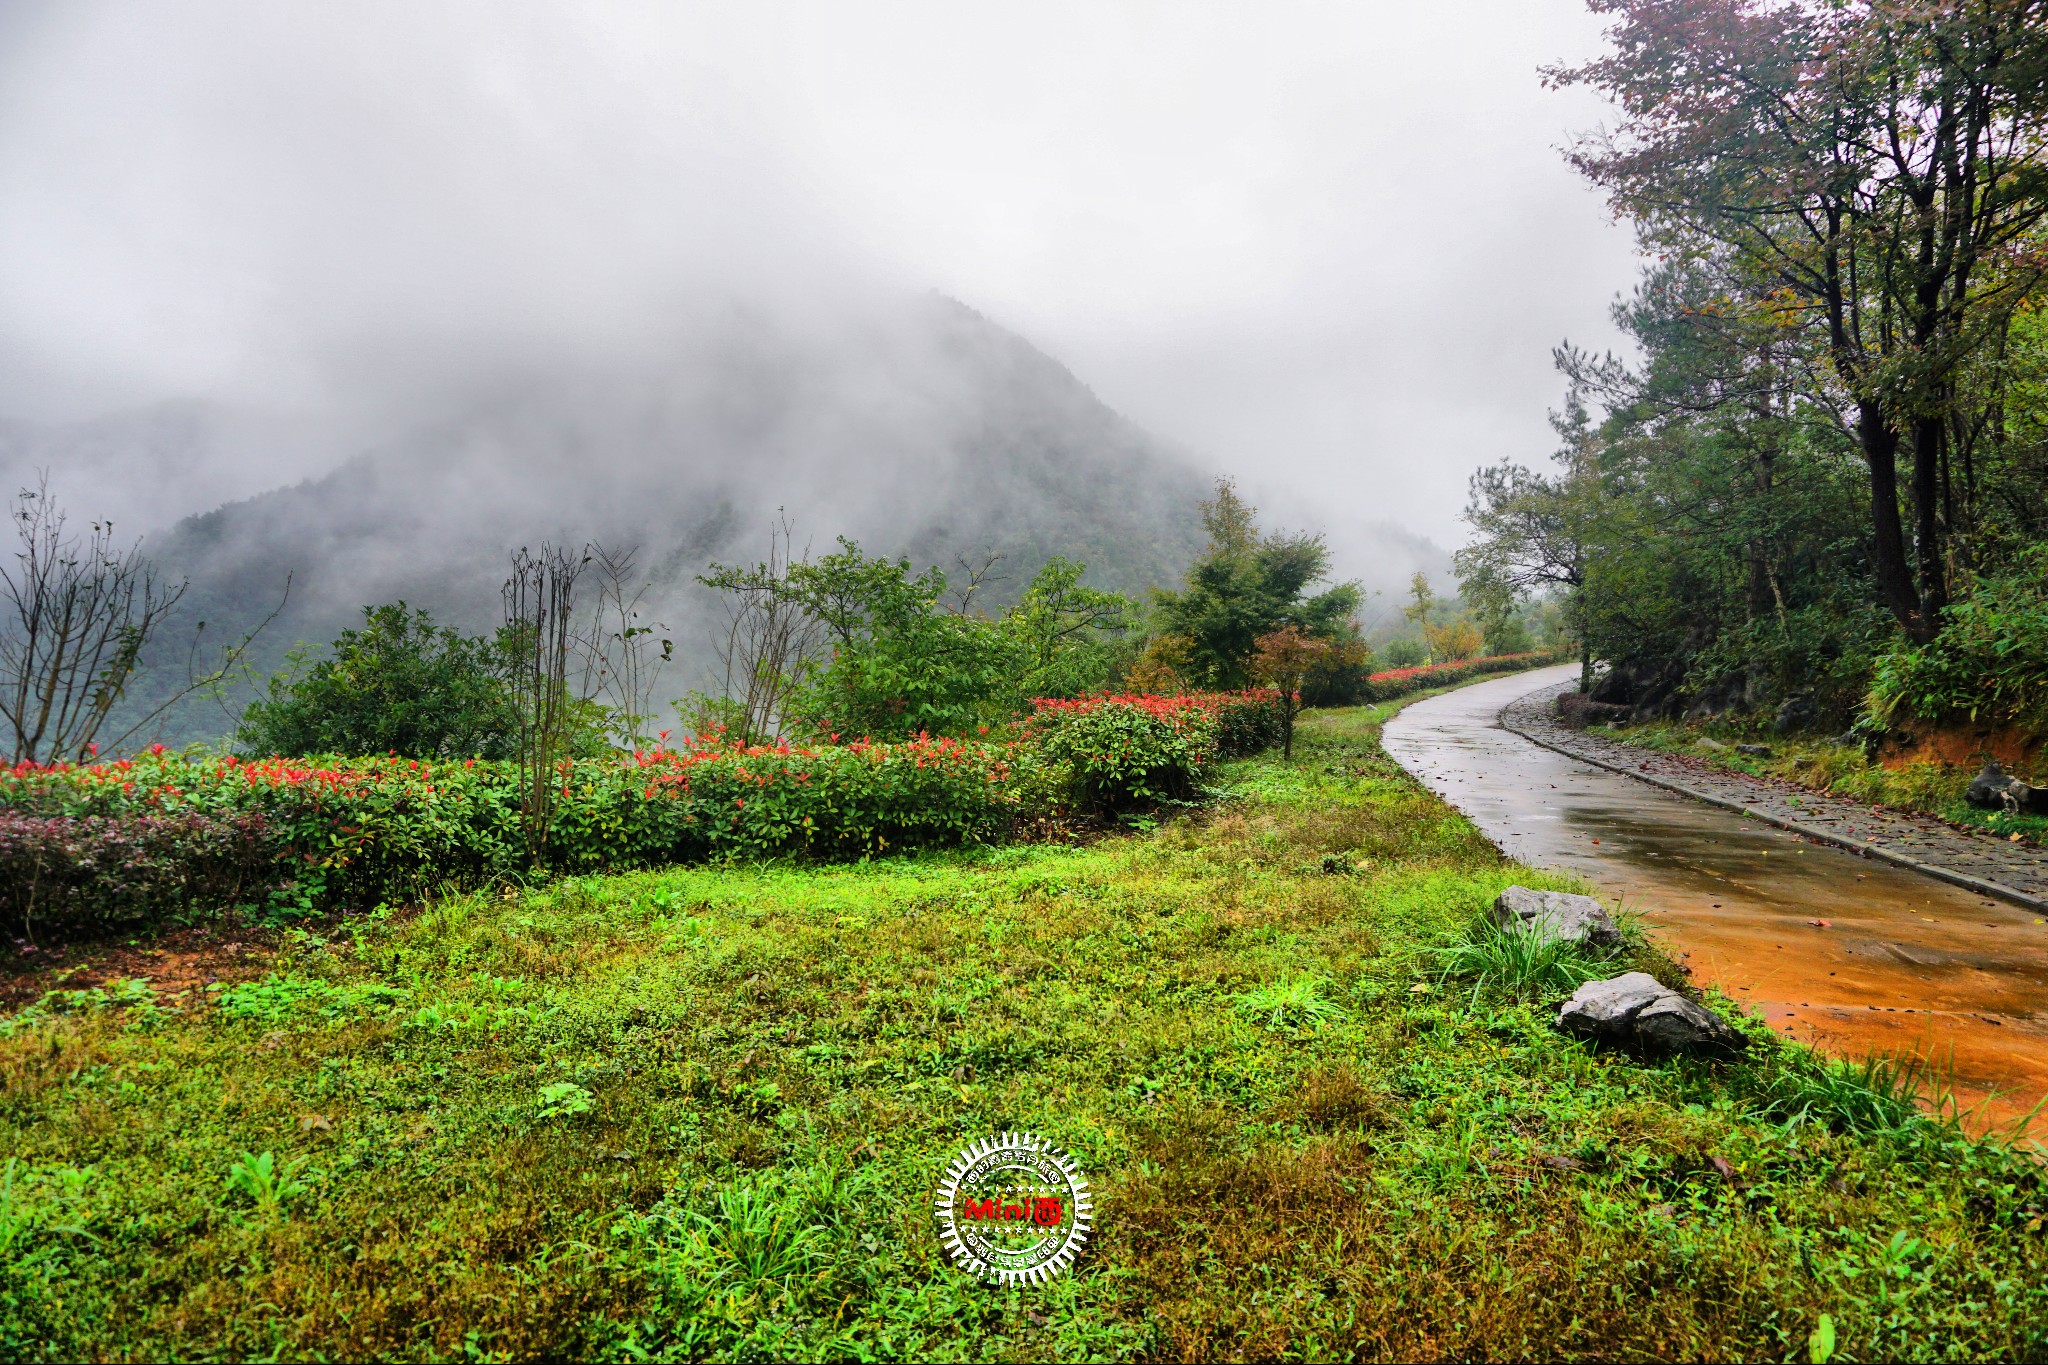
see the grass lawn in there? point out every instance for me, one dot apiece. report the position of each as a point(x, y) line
point(700, 1113)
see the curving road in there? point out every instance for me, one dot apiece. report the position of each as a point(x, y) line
point(1897, 962)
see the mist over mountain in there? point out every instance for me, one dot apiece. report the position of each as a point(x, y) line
point(911, 424)
point(920, 430)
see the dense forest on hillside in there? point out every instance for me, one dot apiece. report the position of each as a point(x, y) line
point(1822, 485)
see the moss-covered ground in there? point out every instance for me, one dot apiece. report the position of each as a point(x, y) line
point(700, 1113)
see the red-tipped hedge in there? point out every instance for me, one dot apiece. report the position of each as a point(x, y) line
point(1399, 682)
point(164, 836)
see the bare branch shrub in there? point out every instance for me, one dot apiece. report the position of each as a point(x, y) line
point(977, 576)
point(76, 616)
point(540, 608)
point(768, 641)
point(621, 666)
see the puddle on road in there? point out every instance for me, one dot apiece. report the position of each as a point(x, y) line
point(1903, 964)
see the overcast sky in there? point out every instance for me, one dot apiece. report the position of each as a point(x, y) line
point(1327, 246)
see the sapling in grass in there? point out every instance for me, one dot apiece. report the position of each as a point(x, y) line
point(268, 1185)
point(1296, 1003)
point(565, 1099)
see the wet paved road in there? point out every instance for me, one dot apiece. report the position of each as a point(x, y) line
point(1903, 963)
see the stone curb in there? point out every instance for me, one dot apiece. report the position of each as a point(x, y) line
point(1850, 842)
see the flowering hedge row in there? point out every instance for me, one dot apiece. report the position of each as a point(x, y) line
point(1132, 750)
point(164, 837)
point(1399, 682)
point(146, 838)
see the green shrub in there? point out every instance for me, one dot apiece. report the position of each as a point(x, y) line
point(399, 685)
point(1988, 664)
point(1122, 752)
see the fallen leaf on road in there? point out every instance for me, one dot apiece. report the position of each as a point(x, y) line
point(1822, 923)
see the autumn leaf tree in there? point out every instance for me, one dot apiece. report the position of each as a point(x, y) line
point(1287, 658)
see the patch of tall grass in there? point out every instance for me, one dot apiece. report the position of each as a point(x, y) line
point(1885, 1094)
point(1519, 963)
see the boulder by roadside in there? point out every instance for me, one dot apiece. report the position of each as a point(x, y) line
point(1637, 1012)
point(1557, 915)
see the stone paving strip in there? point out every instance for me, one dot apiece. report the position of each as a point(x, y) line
point(1981, 862)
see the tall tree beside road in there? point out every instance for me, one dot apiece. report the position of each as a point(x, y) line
point(1875, 175)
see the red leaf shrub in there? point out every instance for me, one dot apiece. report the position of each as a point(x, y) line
point(70, 871)
point(1399, 682)
point(164, 837)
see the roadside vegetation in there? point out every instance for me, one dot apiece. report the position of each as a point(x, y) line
point(698, 1112)
point(1818, 487)
point(864, 709)
point(1840, 769)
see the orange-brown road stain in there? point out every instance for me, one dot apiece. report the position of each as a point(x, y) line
point(1903, 964)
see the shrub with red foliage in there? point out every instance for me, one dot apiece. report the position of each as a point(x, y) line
point(163, 836)
point(68, 871)
point(1399, 682)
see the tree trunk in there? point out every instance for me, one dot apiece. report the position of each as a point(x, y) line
point(1927, 538)
point(1888, 551)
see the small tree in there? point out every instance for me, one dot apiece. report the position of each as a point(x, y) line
point(620, 663)
point(1285, 658)
point(1244, 586)
point(1064, 636)
point(400, 684)
point(1419, 611)
point(1454, 640)
point(540, 610)
point(769, 643)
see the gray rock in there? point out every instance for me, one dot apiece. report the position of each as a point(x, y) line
point(1607, 1010)
point(1575, 712)
point(1795, 714)
point(1987, 788)
point(1673, 1023)
point(1557, 915)
point(1638, 1012)
point(1754, 750)
point(1994, 789)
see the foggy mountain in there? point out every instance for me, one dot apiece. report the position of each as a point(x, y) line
point(922, 430)
point(918, 428)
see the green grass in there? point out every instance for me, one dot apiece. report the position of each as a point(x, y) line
point(1841, 770)
point(700, 1114)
